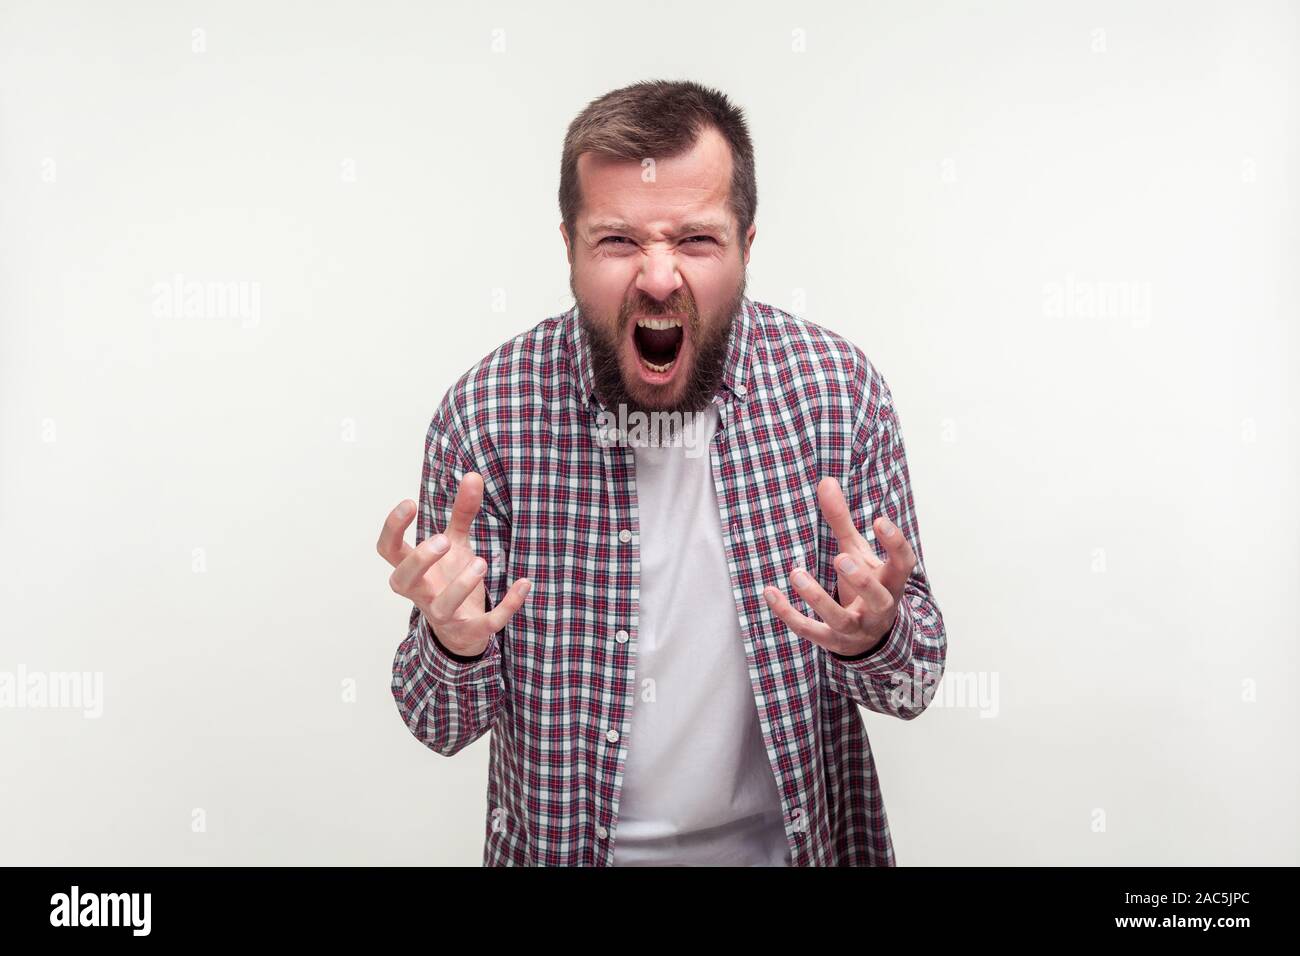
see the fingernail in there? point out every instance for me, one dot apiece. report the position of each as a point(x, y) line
point(889, 526)
point(770, 595)
point(479, 566)
point(403, 509)
point(802, 579)
point(848, 565)
point(439, 542)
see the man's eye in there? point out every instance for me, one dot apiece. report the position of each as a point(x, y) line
point(622, 240)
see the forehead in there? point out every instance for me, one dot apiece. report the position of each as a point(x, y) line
point(690, 186)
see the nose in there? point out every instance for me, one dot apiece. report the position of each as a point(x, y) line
point(658, 277)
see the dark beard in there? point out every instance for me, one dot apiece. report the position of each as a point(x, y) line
point(710, 362)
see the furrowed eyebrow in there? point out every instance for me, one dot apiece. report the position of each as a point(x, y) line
point(688, 228)
point(703, 226)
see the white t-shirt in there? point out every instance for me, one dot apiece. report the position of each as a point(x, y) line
point(697, 785)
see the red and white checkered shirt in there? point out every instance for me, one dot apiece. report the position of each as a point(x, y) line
point(797, 403)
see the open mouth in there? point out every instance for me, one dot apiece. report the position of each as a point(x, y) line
point(658, 342)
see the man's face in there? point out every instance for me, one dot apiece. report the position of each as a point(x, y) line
point(658, 273)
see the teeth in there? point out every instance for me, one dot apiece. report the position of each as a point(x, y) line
point(659, 368)
point(659, 323)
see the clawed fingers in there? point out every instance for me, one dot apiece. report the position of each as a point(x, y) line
point(839, 618)
point(442, 594)
point(392, 546)
point(864, 582)
point(477, 628)
point(469, 499)
point(409, 577)
point(864, 555)
point(500, 616)
point(900, 558)
point(835, 508)
point(801, 624)
point(448, 601)
point(849, 624)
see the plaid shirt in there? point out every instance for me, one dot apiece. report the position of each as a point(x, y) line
point(556, 685)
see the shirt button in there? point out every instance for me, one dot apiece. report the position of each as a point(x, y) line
point(621, 637)
point(625, 536)
point(601, 831)
point(612, 736)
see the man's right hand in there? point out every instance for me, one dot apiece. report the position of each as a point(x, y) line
point(443, 576)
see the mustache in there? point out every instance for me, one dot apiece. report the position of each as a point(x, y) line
point(651, 308)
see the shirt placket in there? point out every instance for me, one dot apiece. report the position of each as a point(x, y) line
point(727, 457)
point(613, 709)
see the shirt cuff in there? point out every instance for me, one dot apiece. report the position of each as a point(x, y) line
point(874, 648)
point(891, 654)
point(453, 668)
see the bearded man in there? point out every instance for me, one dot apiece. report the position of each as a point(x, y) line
point(669, 648)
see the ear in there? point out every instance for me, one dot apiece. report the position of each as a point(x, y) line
point(568, 247)
point(749, 240)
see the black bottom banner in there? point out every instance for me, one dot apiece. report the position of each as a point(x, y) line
point(401, 906)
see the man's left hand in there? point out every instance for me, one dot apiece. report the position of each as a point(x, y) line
point(869, 589)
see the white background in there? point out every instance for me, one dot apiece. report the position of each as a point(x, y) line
point(1106, 499)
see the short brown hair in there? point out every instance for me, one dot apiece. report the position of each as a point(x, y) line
point(658, 118)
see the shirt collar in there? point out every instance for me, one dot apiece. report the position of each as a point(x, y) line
point(735, 375)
